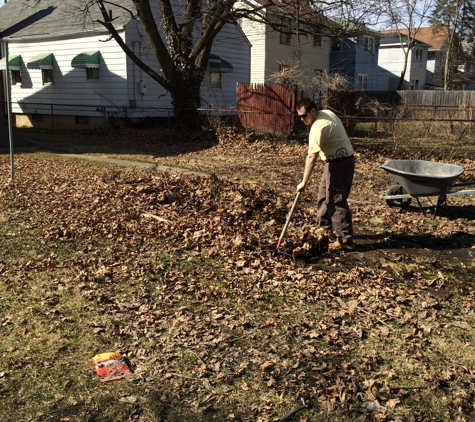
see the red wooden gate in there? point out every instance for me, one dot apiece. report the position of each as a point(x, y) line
point(270, 108)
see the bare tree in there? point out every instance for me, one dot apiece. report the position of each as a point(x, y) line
point(181, 33)
point(457, 18)
point(406, 17)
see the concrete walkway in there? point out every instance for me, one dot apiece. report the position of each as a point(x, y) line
point(117, 161)
point(132, 163)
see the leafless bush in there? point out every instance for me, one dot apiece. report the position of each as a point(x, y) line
point(313, 86)
point(372, 107)
point(288, 75)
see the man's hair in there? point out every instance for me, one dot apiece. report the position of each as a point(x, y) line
point(307, 103)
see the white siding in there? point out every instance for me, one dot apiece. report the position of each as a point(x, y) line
point(117, 91)
point(156, 100)
point(417, 68)
point(231, 45)
point(70, 85)
point(301, 50)
point(267, 53)
point(255, 33)
point(391, 62)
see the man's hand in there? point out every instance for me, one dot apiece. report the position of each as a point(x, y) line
point(301, 186)
point(309, 165)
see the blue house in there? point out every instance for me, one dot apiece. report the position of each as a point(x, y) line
point(356, 57)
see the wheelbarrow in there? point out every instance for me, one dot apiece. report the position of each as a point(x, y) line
point(419, 178)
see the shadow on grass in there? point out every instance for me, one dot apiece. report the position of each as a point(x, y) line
point(459, 246)
point(455, 241)
point(156, 142)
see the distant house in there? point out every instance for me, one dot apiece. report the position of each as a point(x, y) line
point(63, 67)
point(391, 62)
point(273, 50)
point(463, 76)
point(357, 58)
point(437, 42)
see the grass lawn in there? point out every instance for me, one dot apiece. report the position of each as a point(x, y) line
point(179, 273)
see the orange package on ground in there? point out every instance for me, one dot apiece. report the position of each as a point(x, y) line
point(111, 366)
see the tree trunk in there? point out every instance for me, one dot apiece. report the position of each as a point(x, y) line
point(403, 75)
point(186, 102)
point(404, 67)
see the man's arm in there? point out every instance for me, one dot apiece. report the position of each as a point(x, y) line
point(309, 166)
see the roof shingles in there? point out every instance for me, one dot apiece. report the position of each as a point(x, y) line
point(52, 17)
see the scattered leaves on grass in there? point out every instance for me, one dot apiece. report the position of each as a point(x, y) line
point(181, 274)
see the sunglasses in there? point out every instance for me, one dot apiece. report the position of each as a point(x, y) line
point(303, 116)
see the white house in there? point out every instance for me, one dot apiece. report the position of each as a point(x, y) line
point(391, 62)
point(437, 42)
point(273, 50)
point(76, 72)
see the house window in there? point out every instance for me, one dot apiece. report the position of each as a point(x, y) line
point(414, 84)
point(215, 79)
point(368, 44)
point(15, 77)
point(285, 31)
point(317, 40)
point(92, 73)
point(362, 84)
point(418, 54)
point(336, 44)
point(47, 75)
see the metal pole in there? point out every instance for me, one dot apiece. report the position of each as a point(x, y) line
point(9, 110)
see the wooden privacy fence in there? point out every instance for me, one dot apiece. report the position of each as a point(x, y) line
point(402, 105)
point(439, 98)
point(419, 98)
point(270, 108)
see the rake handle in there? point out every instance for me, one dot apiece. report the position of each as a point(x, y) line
point(284, 230)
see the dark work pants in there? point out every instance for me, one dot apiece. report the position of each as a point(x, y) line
point(333, 210)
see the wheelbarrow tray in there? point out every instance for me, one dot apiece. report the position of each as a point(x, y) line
point(423, 178)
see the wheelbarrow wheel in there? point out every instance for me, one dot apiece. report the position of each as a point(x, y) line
point(398, 203)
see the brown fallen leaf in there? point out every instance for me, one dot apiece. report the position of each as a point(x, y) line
point(392, 402)
point(266, 365)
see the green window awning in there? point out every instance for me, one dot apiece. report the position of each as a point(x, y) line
point(14, 62)
point(217, 64)
point(41, 61)
point(89, 59)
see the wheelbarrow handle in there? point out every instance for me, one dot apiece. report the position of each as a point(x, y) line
point(284, 230)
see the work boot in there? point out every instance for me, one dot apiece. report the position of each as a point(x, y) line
point(340, 246)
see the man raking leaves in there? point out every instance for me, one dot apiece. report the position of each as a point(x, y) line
point(329, 140)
